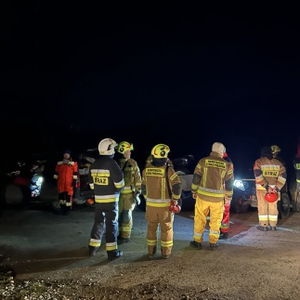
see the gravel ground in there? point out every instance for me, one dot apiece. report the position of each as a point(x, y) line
point(249, 265)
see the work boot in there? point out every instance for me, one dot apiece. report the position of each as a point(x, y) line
point(112, 255)
point(165, 256)
point(213, 246)
point(273, 228)
point(196, 245)
point(223, 235)
point(262, 228)
point(151, 255)
point(93, 250)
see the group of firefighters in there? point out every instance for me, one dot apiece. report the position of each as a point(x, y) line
point(118, 183)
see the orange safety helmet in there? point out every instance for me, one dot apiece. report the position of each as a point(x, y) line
point(271, 197)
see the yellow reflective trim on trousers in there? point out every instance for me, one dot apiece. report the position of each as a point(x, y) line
point(166, 244)
point(273, 217)
point(151, 242)
point(94, 244)
point(106, 200)
point(126, 191)
point(263, 218)
point(111, 248)
point(158, 204)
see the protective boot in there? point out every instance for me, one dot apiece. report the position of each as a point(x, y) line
point(151, 255)
point(93, 250)
point(112, 255)
point(223, 235)
point(213, 246)
point(196, 245)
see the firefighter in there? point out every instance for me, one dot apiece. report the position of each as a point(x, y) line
point(270, 176)
point(226, 213)
point(161, 187)
point(66, 174)
point(296, 164)
point(212, 178)
point(129, 196)
point(106, 179)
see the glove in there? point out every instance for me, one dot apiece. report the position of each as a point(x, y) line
point(227, 200)
point(298, 187)
point(174, 207)
point(195, 195)
point(137, 199)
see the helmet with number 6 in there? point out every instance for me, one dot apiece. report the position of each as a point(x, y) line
point(124, 146)
point(107, 146)
point(160, 151)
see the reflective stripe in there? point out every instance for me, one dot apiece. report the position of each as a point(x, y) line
point(151, 242)
point(166, 243)
point(273, 217)
point(211, 192)
point(95, 243)
point(197, 234)
point(214, 232)
point(126, 190)
point(263, 218)
point(111, 246)
point(119, 184)
point(111, 200)
point(158, 202)
point(282, 180)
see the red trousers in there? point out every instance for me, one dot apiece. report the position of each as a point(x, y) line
point(225, 221)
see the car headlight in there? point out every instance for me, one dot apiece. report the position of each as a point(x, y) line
point(239, 184)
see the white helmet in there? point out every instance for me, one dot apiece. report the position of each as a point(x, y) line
point(107, 146)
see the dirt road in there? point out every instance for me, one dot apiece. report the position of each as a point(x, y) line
point(251, 264)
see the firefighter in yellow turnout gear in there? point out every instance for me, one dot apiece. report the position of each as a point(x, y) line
point(160, 186)
point(129, 196)
point(212, 179)
point(270, 176)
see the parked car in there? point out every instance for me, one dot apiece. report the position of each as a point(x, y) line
point(244, 197)
point(32, 178)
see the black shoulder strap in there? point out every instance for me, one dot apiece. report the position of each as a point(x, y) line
point(125, 164)
point(167, 179)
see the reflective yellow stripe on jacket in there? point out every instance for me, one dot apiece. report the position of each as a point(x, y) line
point(158, 202)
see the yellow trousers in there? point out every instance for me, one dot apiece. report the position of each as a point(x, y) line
point(159, 218)
point(202, 209)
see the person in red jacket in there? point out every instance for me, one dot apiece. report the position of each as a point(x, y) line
point(66, 174)
point(226, 214)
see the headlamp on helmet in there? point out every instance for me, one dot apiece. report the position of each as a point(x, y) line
point(107, 146)
point(160, 151)
point(124, 146)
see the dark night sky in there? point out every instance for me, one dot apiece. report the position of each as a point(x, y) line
point(188, 76)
